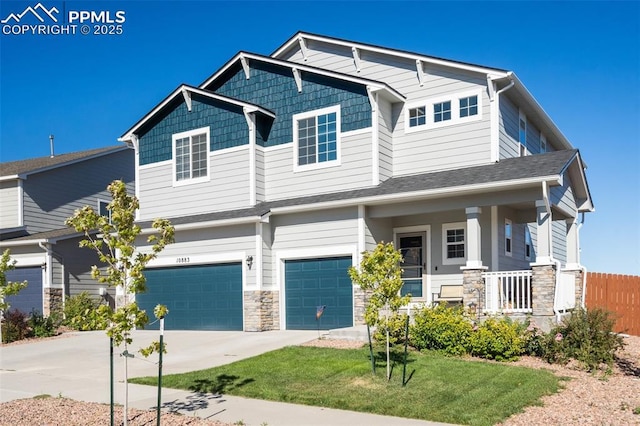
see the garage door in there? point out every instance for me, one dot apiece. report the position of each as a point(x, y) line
point(205, 297)
point(30, 297)
point(312, 283)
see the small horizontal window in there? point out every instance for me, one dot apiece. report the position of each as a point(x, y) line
point(442, 111)
point(469, 106)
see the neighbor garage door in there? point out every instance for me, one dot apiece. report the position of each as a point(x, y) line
point(205, 297)
point(30, 297)
point(311, 283)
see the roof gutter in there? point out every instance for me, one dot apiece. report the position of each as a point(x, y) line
point(21, 243)
point(409, 196)
point(209, 224)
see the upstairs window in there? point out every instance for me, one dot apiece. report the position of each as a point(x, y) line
point(453, 243)
point(191, 156)
point(103, 209)
point(522, 134)
point(317, 138)
point(417, 116)
point(543, 144)
point(442, 111)
point(468, 106)
point(508, 237)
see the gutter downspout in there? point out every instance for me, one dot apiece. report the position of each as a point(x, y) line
point(494, 98)
point(584, 269)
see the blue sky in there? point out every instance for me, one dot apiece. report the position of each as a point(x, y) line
point(580, 60)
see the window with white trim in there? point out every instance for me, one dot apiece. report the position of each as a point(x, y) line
point(528, 245)
point(441, 111)
point(543, 144)
point(103, 209)
point(468, 106)
point(316, 137)
point(522, 134)
point(508, 237)
point(191, 156)
point(448, 110)
point(418, 116)
point(454, 243)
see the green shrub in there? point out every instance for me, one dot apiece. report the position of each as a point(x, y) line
point(42, 326)
point(533, 339)
point(397, 325)
point(14, 326)
point(82, 313)
point(497, 339)
point(441, 328)
point(586, 336)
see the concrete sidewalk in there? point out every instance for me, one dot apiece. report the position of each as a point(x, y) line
point(76, 366)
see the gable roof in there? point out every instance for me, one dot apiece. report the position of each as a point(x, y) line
point(180, 91)
point(509, 173)
point(240, 56)
point(530, 106)
point(301, 35)
point(22, 168)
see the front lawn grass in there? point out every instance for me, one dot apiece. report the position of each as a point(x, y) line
point(440, 388)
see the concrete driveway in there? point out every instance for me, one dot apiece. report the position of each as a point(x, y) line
point(76, 366)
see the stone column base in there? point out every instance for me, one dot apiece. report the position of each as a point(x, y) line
point(261, 310)
point(473, 288)
point(52, 301)
point(543, 291)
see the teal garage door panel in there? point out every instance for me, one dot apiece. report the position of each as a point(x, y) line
point(30, 297)
point(206, 297)
point(310, 283)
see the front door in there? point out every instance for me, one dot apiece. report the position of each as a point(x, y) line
point(413, 250)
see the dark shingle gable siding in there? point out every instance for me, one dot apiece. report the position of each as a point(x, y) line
point(273, 87)
point(226, 122)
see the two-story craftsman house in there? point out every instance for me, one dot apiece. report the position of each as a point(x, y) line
point(279, 171)
point(37, 195)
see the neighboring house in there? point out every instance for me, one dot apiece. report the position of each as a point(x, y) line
point(37, 195)
point(279, 171)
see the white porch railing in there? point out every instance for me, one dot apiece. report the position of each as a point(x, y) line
point(565, 299)
point(507, 291)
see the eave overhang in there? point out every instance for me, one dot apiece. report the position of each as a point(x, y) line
point(184, 91)
point(246, 57)
point(303, 37)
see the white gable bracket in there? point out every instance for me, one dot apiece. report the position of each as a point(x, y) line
point(245, 66)
point(303, 48)
point(372, 98)
point(296, 76)
point(187, 98)
point(420, 70)
point(135, 141)
point(356, 58)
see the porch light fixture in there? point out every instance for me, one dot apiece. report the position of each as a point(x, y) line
point(473, 307)
point(249, 261)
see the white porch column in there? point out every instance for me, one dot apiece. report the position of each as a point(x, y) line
point(544, 250)
point(573, 244)
point(474, 238)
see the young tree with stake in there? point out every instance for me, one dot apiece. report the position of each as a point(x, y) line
point(115, 246)
point(380, 275)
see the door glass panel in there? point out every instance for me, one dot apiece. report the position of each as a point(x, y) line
point(411, 248)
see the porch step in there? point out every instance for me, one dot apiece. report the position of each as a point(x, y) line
point(357, 333)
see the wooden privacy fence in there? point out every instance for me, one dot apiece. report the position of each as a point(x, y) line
point(619, 294)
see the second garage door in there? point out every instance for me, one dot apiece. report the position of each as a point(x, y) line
point(205, 297)
point(313, 283)
point(30, 297)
